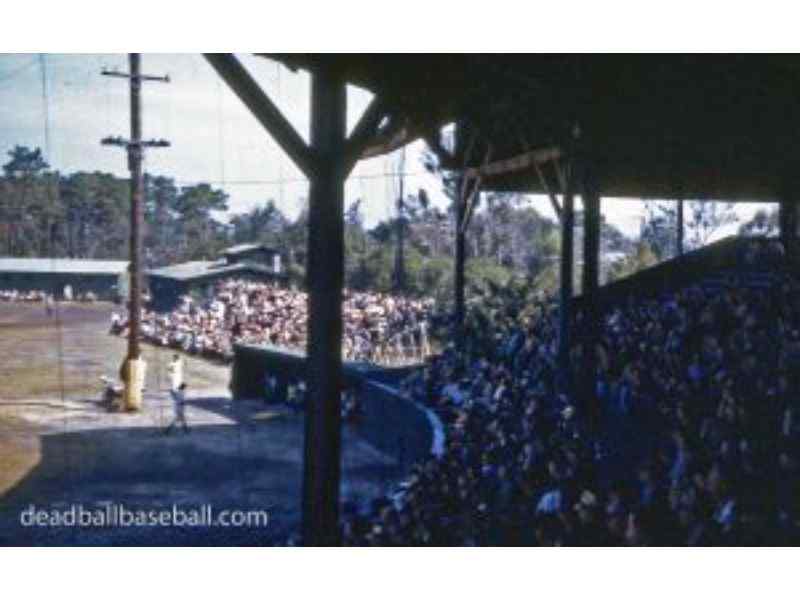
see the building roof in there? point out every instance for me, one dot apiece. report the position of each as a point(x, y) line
point(63, 265)
point(186, 270)
point(241, 248)
point(200, 269)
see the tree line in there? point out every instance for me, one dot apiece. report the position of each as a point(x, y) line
point(86, 215)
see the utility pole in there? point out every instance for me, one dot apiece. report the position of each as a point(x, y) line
point(134, 368)
point(400, 259)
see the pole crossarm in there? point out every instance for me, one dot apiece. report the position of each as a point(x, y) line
point(123, 75)
point(269, 115)
point(120, 141)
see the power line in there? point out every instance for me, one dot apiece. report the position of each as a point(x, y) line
point(388, 176)
point(220, 132)
point(46, 105)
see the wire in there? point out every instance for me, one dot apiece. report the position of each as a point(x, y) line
point(277, 151)
point(46, 105)
point(46, 118)
point(41, 59)
point(220, 131)
point(392, 177)
point(389, 176)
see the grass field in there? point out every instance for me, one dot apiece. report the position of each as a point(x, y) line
point(63, 358)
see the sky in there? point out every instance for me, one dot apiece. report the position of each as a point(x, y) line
point(62, 103)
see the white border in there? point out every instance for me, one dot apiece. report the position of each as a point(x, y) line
point(407, 26)
point(413, 25)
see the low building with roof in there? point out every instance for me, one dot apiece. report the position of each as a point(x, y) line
point(253, 253)
point(106, 279)
point(197, 278)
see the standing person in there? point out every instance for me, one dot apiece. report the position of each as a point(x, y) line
point(116, 323)
point(179, 406)
point(175, 370)
point(48, 304)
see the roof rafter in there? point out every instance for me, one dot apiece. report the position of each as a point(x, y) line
point(364, 132)
point(268, 114)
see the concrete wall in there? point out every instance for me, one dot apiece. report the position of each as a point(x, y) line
point(394, 424)
point(391, 422)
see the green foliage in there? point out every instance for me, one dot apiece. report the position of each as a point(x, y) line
point(701, 220)
point(509, 244)
point(642, 258)
point(24, 163)
point(87, 215)
point(764, 222)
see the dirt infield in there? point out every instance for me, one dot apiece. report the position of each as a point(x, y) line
point(59, 448)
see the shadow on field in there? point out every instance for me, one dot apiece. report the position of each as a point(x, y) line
point(253, 464)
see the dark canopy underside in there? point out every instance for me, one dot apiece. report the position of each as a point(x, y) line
point(658, 126)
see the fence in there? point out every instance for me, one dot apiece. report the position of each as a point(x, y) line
point(388, 420)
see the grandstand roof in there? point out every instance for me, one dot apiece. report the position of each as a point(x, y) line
point(702, 126)
point(63, 265)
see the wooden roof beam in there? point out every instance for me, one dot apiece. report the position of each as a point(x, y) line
point(393, 138)
point(269, 115)
point(521, 162)
point(446, 158)
point(368, 139)
point(364, 132)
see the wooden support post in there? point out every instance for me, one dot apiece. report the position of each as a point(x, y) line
point(679, 226)
point(137, 211)
point(400, 254)
point(565, 303)
point(325, 279)
point(326, 163)
point(459, 266)
point(462, 146)
point(590, 285)
point(787, 220)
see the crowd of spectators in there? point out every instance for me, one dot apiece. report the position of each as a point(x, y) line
point(379, 328)
point(28, 296)
point(14, 295)
point(693, 440)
